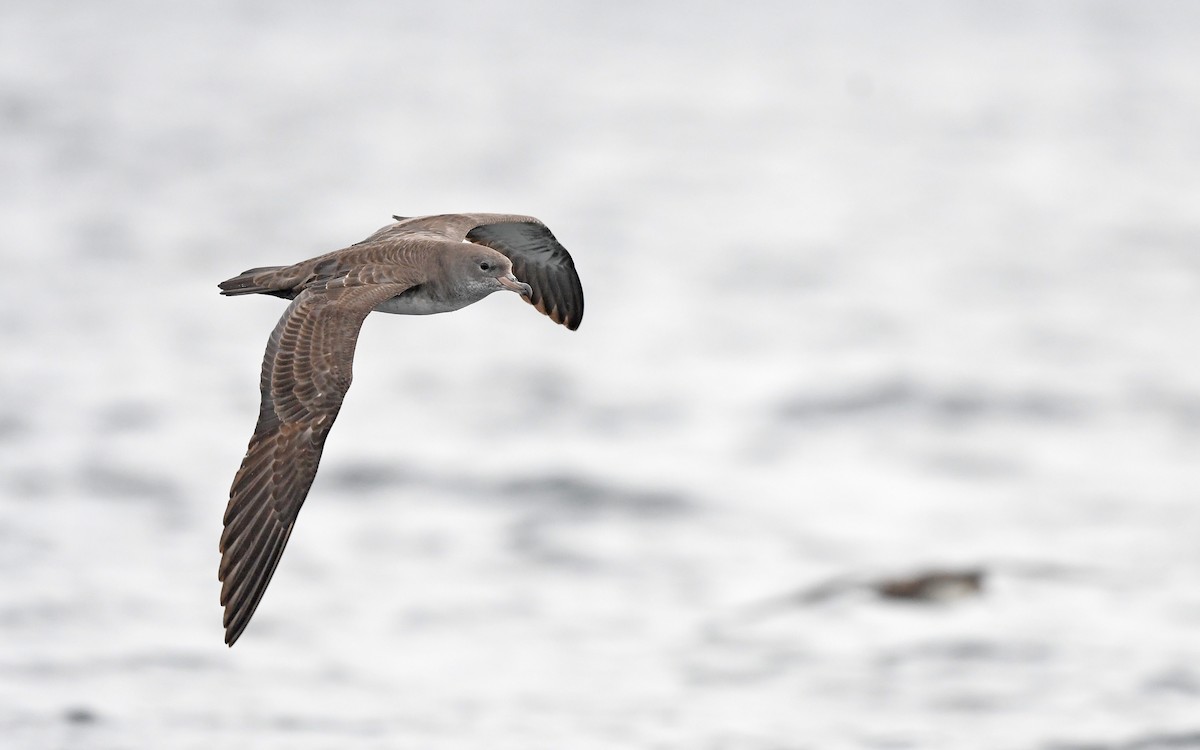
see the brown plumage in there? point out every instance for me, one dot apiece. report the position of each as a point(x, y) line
point(417, 266)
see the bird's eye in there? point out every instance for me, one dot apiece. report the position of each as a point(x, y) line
point(485, 266)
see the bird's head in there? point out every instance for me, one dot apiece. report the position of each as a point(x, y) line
point(482, 271)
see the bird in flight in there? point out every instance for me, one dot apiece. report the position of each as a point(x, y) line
point(416, 266)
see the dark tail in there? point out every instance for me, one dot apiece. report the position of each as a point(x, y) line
point(252, 282)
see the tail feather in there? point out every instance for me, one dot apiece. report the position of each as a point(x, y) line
point(251, 282)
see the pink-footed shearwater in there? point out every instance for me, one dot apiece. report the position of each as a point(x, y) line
point(416, 266)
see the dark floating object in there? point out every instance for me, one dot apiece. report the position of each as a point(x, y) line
point(927, 587)
point(932, 586)
point(417, 266)
point(80, 715)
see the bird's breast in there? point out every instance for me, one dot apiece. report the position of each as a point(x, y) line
point(417, 301)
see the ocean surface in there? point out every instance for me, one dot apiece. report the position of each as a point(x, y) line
point(872, 289)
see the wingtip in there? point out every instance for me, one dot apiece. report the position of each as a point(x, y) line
point(571, 324)
point(234, 627)
point(232, 633)
point(573, 318)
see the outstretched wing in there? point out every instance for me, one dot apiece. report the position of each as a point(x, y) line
point(306, 372)
point(541, 262)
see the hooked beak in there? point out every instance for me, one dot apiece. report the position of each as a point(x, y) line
point(510, 283)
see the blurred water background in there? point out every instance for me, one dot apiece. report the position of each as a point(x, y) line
point(872, 288)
